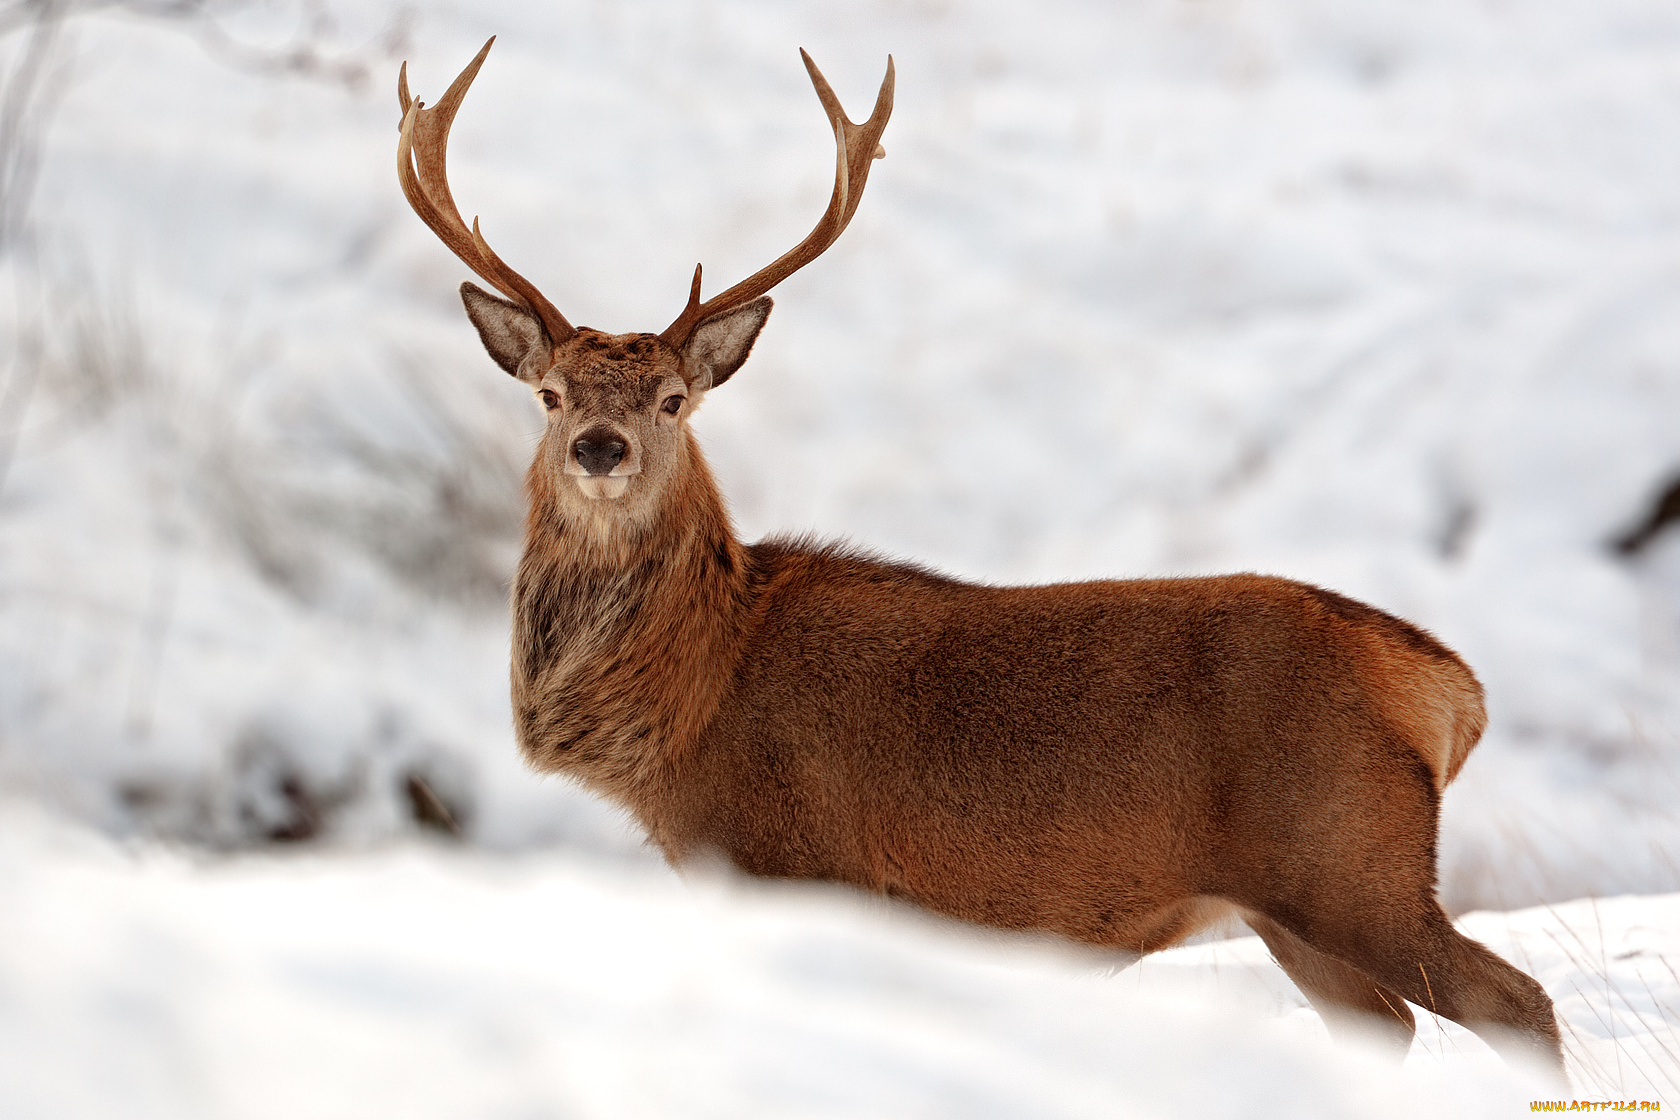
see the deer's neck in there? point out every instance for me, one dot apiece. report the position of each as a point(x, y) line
point(626, 631)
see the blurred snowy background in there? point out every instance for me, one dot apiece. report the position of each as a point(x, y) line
point(1382, 295)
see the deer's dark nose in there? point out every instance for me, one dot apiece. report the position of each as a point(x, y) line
point(598, 452)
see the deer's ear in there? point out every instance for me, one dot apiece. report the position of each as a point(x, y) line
point(510, 333)
point(721, 343)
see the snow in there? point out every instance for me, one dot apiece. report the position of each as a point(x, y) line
point(417, 982)
point(1381, 295)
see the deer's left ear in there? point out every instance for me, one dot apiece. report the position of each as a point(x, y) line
point(721, 343)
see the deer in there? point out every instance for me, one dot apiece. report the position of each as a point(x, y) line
point(1119, 763)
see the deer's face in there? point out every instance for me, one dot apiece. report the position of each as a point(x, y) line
point(617, 404)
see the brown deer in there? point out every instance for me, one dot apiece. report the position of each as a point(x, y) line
point(1120, 762)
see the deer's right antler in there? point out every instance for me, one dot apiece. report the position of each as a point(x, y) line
point(856, 146)
point(422, 167)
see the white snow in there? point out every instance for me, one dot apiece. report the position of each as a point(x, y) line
point(416, 982)
point(1383, 295)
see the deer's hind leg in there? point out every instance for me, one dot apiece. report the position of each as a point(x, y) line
point(1365, 896)
point(1421, 956)
point(1373, 907)
point(1349, 1001)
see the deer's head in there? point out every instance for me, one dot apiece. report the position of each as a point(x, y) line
point(618, 404)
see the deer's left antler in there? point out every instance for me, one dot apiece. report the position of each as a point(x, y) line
point(856, 146)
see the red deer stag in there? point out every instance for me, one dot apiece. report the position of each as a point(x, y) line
point(1120, 762)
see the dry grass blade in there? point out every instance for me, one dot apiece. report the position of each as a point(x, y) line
point(28, 89)
point(1605, 1079)
point(1670, 1067)
point(429, 809)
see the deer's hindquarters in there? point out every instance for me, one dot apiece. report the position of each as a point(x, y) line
point(1422, 688)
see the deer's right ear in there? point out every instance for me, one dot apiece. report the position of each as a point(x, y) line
point(510, 333)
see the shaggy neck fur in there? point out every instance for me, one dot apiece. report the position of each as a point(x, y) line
point(627, 625)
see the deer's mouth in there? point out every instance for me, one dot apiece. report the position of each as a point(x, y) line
point(602, 487)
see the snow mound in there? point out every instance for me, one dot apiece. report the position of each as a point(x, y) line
point(414, 982)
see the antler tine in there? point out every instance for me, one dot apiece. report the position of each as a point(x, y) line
point(422, 168)
point(856, 146)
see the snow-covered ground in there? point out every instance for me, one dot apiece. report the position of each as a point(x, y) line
point(415, 982)
point(1384, 295)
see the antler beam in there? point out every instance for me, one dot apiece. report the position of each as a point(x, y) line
point(422, 168)
point(856, 146)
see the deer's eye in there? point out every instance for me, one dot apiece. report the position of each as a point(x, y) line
point(673, 405)
point(550, 399)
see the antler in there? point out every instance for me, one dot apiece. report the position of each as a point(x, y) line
point(856, 145)
point(422, 156)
